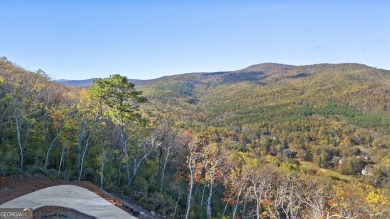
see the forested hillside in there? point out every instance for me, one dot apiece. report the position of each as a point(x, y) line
point(268, 141)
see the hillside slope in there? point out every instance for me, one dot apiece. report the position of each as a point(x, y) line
point(322, 113)
point(259, 92)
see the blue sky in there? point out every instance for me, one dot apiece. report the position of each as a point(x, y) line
point(147, 39)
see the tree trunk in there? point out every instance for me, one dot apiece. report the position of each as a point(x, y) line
point(102, 175)
point(119, 171)
point(196, 189)
point(137, 161)
point(163, 171)
point(124, 155)
point(225, 208)
point(257, 195)
point(177, 202)
point(80, 141)
point(83, 155)
point(208, 212)
point(61, 161)
point(21, 157)
point(244, 208)
point(190, 191)
point(201, 200)
point(128, 177)
point(162, 177)
point(136, 165)
point(236, 205)
point(50, 148)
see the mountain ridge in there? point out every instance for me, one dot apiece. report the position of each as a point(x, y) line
point(262, 67)
point(259, 92)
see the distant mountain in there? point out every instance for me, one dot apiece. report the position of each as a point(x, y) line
point(284, 94)
point(89, 82)
point(260, 93)
point(251, 73)
point(76, 83)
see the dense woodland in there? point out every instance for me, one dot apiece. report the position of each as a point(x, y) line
point(268, 141)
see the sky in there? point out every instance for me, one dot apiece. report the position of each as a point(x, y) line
point(146, 39)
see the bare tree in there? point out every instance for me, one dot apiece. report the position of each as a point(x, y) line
point(286, 202)
point(260, 186)
point(192, 160)
point(314, 194)
point(212, 157)
point(168, 140)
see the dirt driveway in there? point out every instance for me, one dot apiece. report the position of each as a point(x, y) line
point(69, 196)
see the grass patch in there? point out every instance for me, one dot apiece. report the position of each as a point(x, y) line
point(309, 167)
